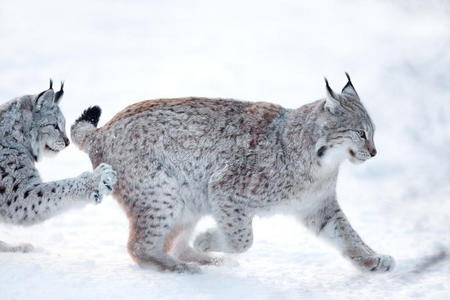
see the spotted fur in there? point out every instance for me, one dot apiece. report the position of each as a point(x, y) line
point(31, 126)
point(181, 159)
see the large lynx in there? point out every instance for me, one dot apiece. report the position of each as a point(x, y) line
point(31, 126)
point(181, 159)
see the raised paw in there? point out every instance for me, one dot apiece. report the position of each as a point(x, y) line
point(108, 178)
point(96, 197)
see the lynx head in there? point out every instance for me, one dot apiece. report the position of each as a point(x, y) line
point(48, 129)
point(346, 128)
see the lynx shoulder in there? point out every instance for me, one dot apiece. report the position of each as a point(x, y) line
point(181, 159)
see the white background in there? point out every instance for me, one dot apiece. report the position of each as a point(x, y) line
point(114, 53)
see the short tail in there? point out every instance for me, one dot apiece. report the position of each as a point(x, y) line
point(83, 130)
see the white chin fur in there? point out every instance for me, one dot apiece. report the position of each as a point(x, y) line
point(46, 152)
point(333, 157)
point(49, 153)
point(355, 161)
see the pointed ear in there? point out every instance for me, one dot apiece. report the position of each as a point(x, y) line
point(45, 98)
point(348, 88)
point(332, 100)
point(59, 94)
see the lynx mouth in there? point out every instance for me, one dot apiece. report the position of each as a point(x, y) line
point(354, 158)
point(48, 148)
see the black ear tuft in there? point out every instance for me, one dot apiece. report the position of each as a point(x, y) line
point(51, 84)
point(59, 93)
point(91, 115)
point(330, 91)
point(349, 88)
point(348, 77)
point(327, 84)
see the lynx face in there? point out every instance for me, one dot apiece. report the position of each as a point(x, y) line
point(49, 124)
point(348, 129)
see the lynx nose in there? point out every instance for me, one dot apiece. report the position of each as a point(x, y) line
point(66, 141)
point(373, 152)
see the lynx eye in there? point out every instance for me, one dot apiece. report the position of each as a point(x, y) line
point(362, 134)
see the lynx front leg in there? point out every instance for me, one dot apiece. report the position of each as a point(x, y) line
point(25, 200)
point(331, 224)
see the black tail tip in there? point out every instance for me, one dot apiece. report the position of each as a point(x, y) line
point(91, 115)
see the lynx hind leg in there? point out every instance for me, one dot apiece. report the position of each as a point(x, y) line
point(156, 211)
point(24, 247)
point(234, 233)
point(178, 244)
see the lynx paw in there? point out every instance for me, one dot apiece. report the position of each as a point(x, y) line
point(377, 263)
point(106, 177)
point(185, 268)
point(384, 263)
point(24, 247)
point(203, 241)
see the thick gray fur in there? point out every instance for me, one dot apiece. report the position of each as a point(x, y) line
point(31, 126)
point(181, 159)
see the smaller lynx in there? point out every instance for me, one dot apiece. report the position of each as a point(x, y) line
point(181, 159)
point(31, 126)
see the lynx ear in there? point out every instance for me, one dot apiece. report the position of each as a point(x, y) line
point(332, 100)
point(348, 88)
point(45, 98)
point(60, 93)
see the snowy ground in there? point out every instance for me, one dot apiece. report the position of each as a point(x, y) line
point(114, 53)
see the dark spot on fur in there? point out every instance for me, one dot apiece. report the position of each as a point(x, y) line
point(15, 187)
point(25, 195)
point(39, 194)
point(2, 190)
point(53, 190)
point(321, 151)
point(8, 203)
point(19, 167)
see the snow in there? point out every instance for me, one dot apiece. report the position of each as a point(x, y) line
point(114, 53)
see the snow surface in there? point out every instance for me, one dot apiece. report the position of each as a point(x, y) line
point(114, 53)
